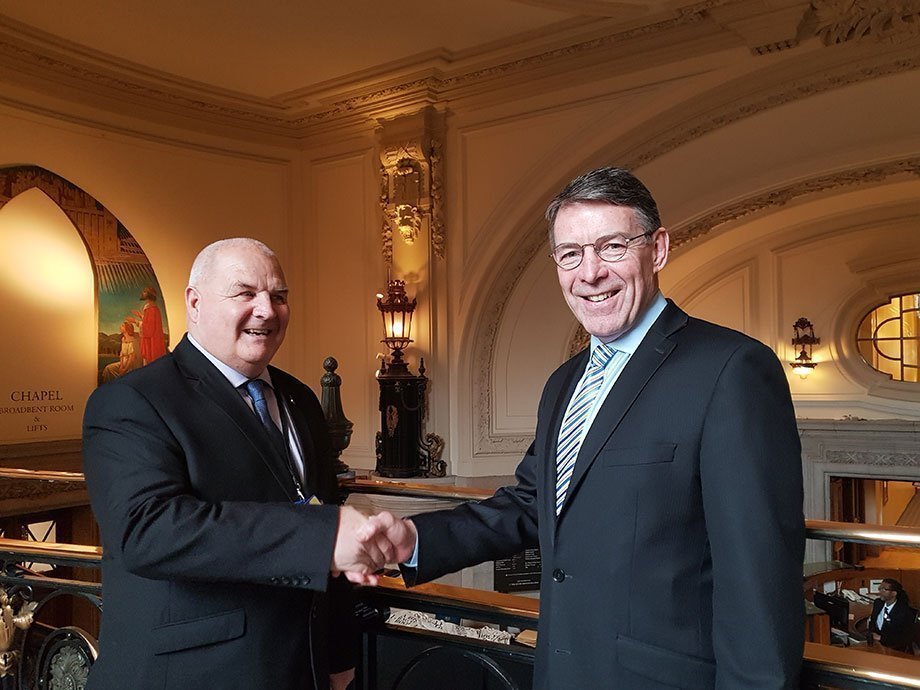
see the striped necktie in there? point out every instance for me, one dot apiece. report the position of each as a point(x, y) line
point(256, 390)
point(573, 429)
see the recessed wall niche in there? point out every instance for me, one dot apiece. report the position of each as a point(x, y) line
point(79, 301)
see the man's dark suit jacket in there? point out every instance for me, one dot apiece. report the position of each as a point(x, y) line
point(676, 561)
point(898, 632)
point(212, 577)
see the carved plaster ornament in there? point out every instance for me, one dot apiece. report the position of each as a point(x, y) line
point(411, 194)
point(839, 21)
point(408, 220)
point(10, 622)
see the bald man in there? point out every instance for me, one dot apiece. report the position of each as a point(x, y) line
point(210, 476)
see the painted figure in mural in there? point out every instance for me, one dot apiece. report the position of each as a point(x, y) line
point(129, 357)
point(664, 484)
point(153, 344)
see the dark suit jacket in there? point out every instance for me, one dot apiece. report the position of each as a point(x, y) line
point(898, 631)
point(676, 561)
point(212, 577)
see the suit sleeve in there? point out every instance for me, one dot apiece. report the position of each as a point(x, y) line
point(498, 527)
point(751, 474)
point(148, 514)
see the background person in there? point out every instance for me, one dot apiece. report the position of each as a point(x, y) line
point(893, 621)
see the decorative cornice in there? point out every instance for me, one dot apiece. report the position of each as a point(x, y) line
point(840, 21)
point(766, 99)
point(169, 94)
point(852, 457)
point(107, 83)
point(856, 177)
point(98, 78)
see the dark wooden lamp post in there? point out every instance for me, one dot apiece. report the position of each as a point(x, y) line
point(402, 449)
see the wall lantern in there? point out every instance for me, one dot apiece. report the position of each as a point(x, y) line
point(803, 339)
point(396, 310)
point(402, 448)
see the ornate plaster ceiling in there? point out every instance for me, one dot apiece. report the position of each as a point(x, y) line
point(272, 48)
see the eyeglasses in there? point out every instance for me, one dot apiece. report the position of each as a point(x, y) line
point(610, 248)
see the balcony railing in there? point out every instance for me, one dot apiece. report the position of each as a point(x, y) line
point(509, 665)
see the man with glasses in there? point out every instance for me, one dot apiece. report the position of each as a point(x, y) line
point(664, 484)
point(892, 621)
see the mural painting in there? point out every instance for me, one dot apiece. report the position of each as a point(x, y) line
point(130, 315)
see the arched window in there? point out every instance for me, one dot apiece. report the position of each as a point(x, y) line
point(888, 338)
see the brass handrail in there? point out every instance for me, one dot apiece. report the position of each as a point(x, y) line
point(814, 529)
point(880, 535)
point(52, 552)
point(867, 667)
point(45, 475)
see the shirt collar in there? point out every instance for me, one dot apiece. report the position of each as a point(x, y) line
point(235, 378)
point(629, 341)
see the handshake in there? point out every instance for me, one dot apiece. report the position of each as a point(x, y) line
point(364, 545)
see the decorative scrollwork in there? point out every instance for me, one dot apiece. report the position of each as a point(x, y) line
point(437, 199)
point(432, 448)
point(69, 670)
point(839, 21)
point(16, 613)
point(65, 659)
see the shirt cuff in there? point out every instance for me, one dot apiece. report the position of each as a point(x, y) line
point(413, 561)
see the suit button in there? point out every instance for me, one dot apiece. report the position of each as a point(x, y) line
point(285, 580)
point(273, 580)
point(558, 574)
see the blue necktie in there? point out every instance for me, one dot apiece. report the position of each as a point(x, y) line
point(256, 390)
point(573, 431)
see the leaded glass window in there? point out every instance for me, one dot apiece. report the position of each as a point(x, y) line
point(889, 338)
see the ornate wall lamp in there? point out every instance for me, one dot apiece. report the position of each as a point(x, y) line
point(402, 449)
point(803, 339)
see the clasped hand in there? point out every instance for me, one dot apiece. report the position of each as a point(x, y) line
point(364, 545)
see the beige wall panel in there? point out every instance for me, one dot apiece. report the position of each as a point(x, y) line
point(532, 341)
point(501, 159)
point(342, 313)
point(725, 301)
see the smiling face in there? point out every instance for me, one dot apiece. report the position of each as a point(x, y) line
point(608, 298)
point(238, 310)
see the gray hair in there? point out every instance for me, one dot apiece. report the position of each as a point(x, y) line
point(615, 186)
point(203, 263)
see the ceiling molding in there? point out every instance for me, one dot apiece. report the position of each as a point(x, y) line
point(868, 175)
point(54, 68)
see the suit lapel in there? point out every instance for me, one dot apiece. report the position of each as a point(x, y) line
point(216, 390)
point(301, 429)
point(648, 357)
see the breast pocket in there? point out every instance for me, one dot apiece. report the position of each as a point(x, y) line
point(199, 632)
point(650, 454)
